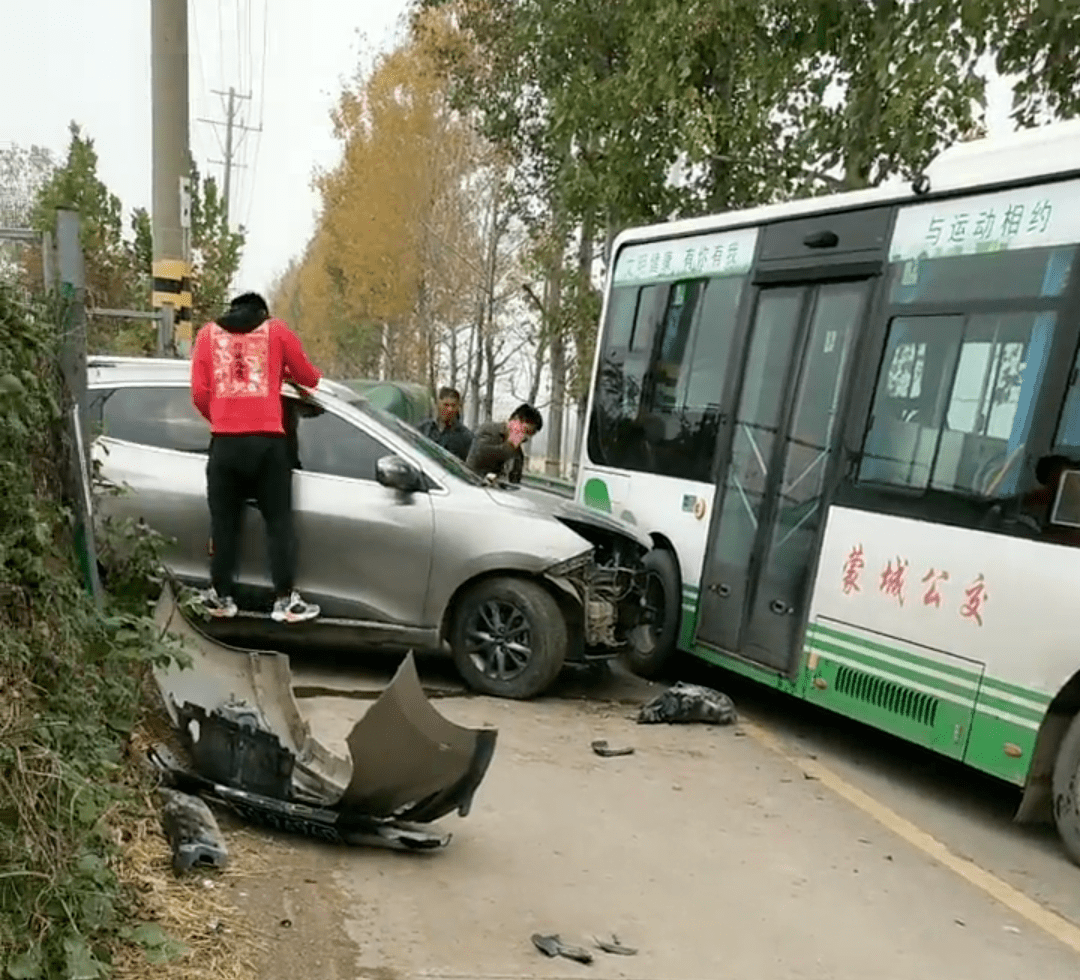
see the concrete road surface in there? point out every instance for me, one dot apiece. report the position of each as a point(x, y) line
point(716, 852)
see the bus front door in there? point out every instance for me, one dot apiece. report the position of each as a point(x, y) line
point(763, 537)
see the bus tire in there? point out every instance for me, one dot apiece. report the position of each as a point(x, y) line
point(1065, 784)
point(664, 587)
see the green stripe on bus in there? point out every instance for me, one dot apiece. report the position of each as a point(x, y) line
point(1039, 697)
point(989, 699)
point(817, 629)
point(903, 672)
point(989, 689)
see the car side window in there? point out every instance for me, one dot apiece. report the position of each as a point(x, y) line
point(328, 444)
point(153, 416)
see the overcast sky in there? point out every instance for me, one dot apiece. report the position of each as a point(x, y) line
point(89, 61)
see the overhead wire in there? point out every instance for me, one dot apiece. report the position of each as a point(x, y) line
point(202, 85)
point(262, 107)
point(243, 86)
point(221, 43)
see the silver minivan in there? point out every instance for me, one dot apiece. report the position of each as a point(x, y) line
point(398, 542)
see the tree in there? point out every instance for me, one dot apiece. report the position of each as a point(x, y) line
point(398, 279)
point(625, 113)
point(215, 250)
point(1035, 40)
point(887, 85)
point(113, 279)
point(22, 173)
point(118, 265)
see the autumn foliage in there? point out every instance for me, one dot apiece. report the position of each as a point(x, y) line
point(395, 264)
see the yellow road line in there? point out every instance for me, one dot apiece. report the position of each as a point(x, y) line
point(1050, 922)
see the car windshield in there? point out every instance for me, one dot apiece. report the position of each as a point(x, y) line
point(447, 460)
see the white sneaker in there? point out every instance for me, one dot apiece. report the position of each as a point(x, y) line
point(220, 607)
point(293, 610)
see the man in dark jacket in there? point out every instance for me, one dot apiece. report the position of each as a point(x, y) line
point(446, 428)
point(238, 365)
point(496, 450)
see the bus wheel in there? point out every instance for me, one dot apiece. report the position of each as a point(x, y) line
point(1066, 790)
point(648, 655)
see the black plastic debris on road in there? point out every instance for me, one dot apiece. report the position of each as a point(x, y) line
point(688, 703)
point(193, 832)
point(613, 945)
point(600, 747)
point(553, 946)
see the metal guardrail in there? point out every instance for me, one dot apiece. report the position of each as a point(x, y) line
point(554, 484)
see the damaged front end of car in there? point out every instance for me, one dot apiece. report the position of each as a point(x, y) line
point(608, 580)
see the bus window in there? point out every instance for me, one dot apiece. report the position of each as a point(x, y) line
point(659, 387)
point(1020, 274)
point(953, 408)
point(1068, 430)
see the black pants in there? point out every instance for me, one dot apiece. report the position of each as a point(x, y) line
point(241, 468)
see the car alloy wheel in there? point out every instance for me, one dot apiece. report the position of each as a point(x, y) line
point(499, 639)
point(509, 637)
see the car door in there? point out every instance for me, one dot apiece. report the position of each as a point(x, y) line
point(153, 448)
point(363, 550)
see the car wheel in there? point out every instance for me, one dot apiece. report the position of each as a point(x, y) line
point(509, 638)
point(649, 654)
point(1065, 784)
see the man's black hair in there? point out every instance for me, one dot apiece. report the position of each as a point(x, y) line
point(1045, 467)
point(526, 413)
point(250, 299)
point(447, 392)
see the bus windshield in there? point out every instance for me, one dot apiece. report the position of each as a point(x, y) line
point(663, 355)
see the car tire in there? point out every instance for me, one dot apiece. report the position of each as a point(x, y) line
point(664, 579)
point(530, 620)
point(1065, 785)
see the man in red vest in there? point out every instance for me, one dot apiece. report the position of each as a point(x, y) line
point(238, 365)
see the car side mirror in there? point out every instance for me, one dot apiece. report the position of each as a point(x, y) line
point(397, 474)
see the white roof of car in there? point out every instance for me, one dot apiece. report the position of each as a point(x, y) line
point(141, 369)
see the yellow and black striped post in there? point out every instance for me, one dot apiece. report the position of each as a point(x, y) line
point(172, 287)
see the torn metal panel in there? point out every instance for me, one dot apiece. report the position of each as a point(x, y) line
point(250, 741)
point(410, 760)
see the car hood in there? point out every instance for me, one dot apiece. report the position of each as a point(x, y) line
point(527, 500)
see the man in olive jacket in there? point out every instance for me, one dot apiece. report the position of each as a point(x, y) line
point(496, 449)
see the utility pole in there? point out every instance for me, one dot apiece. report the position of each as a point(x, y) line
point(171, 163)
point(231, 125)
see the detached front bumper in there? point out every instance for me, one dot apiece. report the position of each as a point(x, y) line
point(253, 750)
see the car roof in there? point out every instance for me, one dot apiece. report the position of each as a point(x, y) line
point(107, 369)
point(137, 368)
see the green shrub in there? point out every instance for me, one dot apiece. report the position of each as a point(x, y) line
point(70, 682)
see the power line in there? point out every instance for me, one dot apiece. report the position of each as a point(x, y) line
point(200, 68)
point(231, 125)
point(239, 45)
point(248, 34)
point(221, 41)
point(262, 108)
